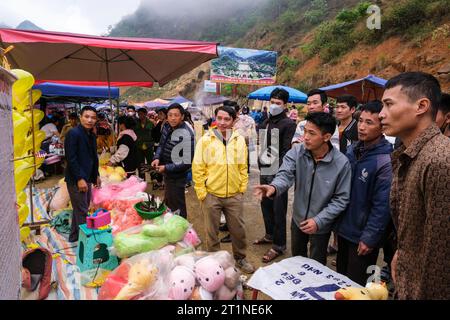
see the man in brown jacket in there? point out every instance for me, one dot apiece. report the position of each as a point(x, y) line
point(420, 193)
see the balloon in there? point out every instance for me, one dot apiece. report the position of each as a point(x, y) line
point(23, 213)
point(21, 127)
point(35, 95)
point(39, 162)
point(19, 150)
point(20, 89)
point(38, 115)
point(39, 136)
point(21, 163)
point(24, 233)
point(21, 198)
point(22, 175)
point(24, 82)
point(22, 180)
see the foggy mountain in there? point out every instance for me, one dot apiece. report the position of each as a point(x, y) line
point(209, 20)
point(28, 25)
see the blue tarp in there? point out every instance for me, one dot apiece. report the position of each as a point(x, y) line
point(62, 90)
point(179, 99)
point(295, 95)
point(371, 78)
point(364, 89)
point(155, 104)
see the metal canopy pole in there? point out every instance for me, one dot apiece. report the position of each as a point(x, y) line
point(38, 231)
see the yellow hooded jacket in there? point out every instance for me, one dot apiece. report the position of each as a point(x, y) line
point(218, 169)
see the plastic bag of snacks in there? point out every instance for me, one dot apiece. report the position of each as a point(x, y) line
point(123, 214)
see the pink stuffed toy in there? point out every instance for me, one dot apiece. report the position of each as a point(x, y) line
point(182, 283)
point(191, 238)
point(209, 273)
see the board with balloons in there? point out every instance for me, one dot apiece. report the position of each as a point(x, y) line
point(27, 139)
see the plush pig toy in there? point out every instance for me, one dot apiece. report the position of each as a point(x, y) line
point(182, 283)
point(209, 273)
point(191, 238)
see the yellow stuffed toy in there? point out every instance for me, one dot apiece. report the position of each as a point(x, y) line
point(372, 291)
point(140, 277)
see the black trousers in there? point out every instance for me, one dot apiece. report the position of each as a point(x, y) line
point(144, 155)
point(174, 196)
point(274, 214)
point(390, 244)
point(351, 265)
point(318, 244)
point(80, 204)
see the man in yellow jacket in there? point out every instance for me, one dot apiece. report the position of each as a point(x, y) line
point(219, 171)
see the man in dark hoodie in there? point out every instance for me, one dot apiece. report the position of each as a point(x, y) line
point(174, 156)
point(362, 227)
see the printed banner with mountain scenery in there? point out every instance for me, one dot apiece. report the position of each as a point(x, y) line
point(244, 66)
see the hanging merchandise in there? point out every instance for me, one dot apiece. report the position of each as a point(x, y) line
point(27, 139)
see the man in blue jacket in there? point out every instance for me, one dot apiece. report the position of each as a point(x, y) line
point(362, 227)
point(82, 167)
point(322, 176)
point(173, 158)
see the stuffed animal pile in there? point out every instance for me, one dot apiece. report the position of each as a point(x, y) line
point(210, 277)
point(162, 275)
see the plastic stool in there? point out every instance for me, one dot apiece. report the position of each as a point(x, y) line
point(92, 251)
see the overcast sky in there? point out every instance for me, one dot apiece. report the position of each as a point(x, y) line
point(77, 16)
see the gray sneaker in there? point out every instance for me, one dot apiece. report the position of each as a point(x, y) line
point(245, 266)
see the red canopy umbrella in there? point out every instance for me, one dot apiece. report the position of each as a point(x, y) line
point(93, 60)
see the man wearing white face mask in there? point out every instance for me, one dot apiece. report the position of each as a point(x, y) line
point(131, 112)
point(273, 151)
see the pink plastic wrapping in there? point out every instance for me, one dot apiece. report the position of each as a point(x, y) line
point(117, 191)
